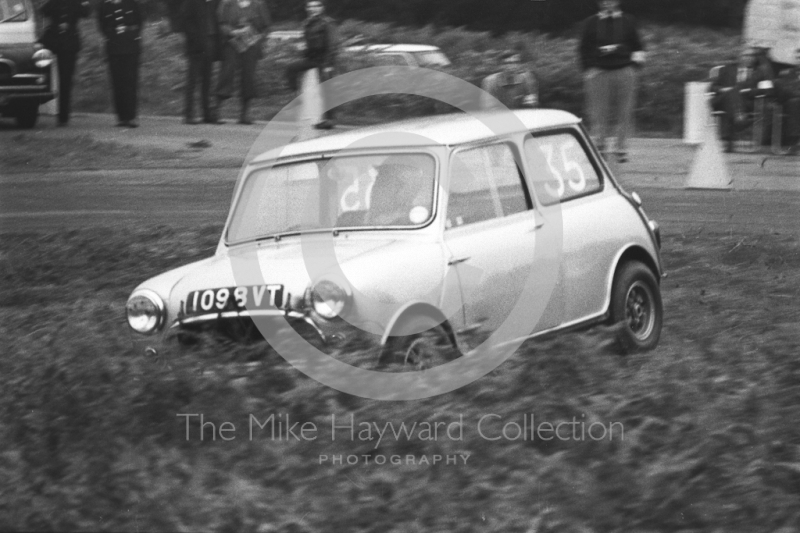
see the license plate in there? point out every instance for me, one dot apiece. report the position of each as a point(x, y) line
point(234, 299)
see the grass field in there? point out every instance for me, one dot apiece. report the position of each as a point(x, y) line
point(24, 152)
point(90, 438)
point(676, 55)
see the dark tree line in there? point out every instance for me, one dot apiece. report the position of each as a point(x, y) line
point(499, 16)
point(520, 15)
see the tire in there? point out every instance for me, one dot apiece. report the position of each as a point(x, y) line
point(426, 345)
point(27, 115)
point(636, 304)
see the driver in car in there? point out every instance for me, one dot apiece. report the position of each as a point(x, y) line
point(394, 194)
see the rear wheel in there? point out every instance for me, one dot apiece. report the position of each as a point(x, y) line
point(27, 115)
point(636, 303)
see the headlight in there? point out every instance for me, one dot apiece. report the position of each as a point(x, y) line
point(328, 299)
point(43, 58)
point(145, 311)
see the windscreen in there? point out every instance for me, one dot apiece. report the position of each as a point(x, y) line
point(363, 191)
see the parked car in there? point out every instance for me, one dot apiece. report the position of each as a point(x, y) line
point(409, 55)
point(27, 70)
point(404, 217)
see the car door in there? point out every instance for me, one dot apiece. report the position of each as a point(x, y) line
point(575, 186)
point(490, 234)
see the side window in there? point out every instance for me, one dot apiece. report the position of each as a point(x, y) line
point(485, 183)
point(561, 169)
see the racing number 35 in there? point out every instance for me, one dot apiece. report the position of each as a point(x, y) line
point(572, 172)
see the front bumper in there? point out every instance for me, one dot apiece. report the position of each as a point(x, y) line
point(235, 326)
point(9, 96)
point(28, 87)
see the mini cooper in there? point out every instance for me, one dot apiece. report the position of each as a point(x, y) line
point(418, 233)
point(27, 70)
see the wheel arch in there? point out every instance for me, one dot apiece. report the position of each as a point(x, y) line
point(633, 252)
point(637, 253)
point(418, 308)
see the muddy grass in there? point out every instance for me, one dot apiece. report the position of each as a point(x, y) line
point(90, 438)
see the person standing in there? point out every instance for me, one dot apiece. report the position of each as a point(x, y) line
point(610, 50)
point(121, 25)
point(734, 89)
point(788, 94)
point(199, 23)
point(320, 53)
point(62, 38)
point(242, 26)
point(515, 86)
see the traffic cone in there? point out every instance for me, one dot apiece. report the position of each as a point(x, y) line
point(311, 107)
point(708, 168)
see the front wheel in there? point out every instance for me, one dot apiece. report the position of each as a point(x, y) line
point(636, 303)
point(422, 343)
point(27, 115)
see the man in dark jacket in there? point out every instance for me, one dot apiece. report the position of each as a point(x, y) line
point(121, 25)
point(62, 38)
point(199, 23)
point(242, 25)
point(320, 52)
point(734, 89)
point(610, 50)
point(788, 93)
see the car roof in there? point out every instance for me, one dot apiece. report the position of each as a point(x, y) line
point(447, 130)
point(408, 48)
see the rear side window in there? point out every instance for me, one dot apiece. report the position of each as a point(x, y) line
point(13, 11)
point(485, 183)
point(561, 169)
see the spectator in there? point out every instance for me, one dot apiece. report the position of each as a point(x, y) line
point(320, 52)
point(199, 23)
point(764, 63)
point(787, 88)
point(515, 87)
point(734, 89)
point(242, 25)
point(62, 38)
point(609, 50)
point(121, 24)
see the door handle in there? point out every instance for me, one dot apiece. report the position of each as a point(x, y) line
point(457, 260)
point(538, 224)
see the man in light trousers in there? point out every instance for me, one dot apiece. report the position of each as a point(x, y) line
point(610, 53)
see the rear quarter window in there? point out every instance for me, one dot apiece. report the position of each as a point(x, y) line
point(562, 170)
